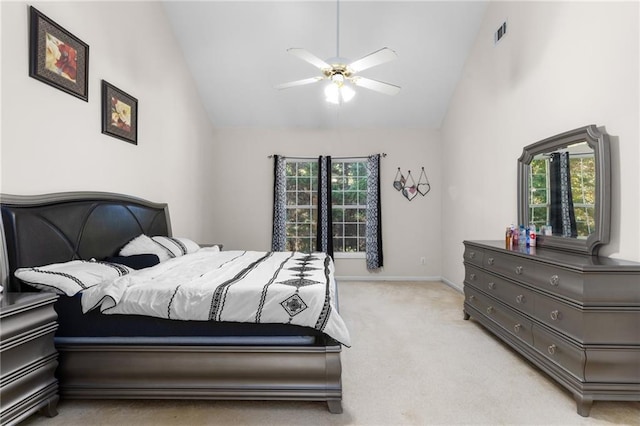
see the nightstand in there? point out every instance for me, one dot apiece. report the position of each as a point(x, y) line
point(28, 357)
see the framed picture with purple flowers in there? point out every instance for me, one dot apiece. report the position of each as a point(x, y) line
point(57, 57)
point(119, 114)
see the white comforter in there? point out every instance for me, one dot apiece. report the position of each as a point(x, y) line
point(238, 286)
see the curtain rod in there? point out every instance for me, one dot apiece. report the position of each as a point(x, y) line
point(384, 154)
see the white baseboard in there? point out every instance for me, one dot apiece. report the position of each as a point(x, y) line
point(451, 284)
point(387, 278)
point(381, 278)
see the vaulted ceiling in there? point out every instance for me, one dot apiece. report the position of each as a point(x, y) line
point(237, 53)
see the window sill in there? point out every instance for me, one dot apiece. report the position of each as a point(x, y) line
point(343, 255)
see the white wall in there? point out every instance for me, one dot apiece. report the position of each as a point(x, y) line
point(52, 141)
point(242, 191)
point(561, 66)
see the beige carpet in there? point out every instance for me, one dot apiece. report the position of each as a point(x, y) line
point(414, 361)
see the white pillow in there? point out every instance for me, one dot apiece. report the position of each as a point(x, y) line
point(145, 245)
point(71, 277)
point(163, 247)
point(177, 246)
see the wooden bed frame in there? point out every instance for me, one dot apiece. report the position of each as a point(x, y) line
point(59, 227)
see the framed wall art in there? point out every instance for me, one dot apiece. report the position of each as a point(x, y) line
point(57, 57)
point(119, 114)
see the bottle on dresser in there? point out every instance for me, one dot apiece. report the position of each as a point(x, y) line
point(532, 235)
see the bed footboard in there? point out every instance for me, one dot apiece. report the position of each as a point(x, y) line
point(309, 373)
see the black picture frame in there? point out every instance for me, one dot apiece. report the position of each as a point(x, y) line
point(57, 57)
point(119, 114)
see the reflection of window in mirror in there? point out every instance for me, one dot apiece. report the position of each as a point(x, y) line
point(581, 170)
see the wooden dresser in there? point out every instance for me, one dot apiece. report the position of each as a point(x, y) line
point(576, 317)
point(28, 356)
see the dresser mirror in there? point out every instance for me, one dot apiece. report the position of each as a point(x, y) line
point(564, 188)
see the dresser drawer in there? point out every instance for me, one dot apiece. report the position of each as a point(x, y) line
point(561, 352)
point(512, 294)
point(506, 318)
point(616, 364)
point(473, 255)
point(559, 281)
point(20, 353)
point(475, 277)
point(510, 266)
point(560, 316)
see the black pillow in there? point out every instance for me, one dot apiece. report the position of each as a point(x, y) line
point(136, 261)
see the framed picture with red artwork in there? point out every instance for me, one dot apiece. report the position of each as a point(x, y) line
point(119, 114)
point(57, 57)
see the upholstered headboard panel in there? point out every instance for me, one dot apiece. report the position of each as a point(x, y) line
point(52, 228)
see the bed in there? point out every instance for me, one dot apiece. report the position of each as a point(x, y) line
point(132, 356)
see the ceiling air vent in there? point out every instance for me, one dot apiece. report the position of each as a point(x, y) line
point(500, 32)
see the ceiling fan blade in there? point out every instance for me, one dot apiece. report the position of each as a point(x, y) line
point(378, 86)
point(298, 83)
point(309, 57)
point(371, 60)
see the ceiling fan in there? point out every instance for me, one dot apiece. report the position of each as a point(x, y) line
point(342, 74)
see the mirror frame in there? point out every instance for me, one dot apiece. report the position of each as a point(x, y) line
point(597, 139)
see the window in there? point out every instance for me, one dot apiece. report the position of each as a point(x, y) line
point(349, 205)
point(539, 201)
point(302, 202)
point(583, 191)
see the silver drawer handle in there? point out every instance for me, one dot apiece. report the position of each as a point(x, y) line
point(517, 328)
point(555, 315)
point(490, 310)
point(551, 349)
point(554, 280)
point(490, 261)
point(472, 277)
point(520, 298)
point(492, 285)
point(519, 270)
point(472, 255)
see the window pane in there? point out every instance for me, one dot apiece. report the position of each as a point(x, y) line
point(350, 215)
point(337, 183)
point(338, 229)
point(337, 214)
point(351, 230)
point(291, 215)
point(539, 196)
point(305, 245)
point(303, 169)
point(304, 184)
point(350, 198)
point(304, 198)
point(304, 230)
point(304, 215)
point(350, 244)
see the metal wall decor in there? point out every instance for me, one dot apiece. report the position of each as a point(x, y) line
point(408, 186)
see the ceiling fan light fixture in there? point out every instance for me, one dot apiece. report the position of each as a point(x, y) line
point(337, 92)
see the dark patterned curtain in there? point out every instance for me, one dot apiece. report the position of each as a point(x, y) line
point(279, 239)
point(561, 216)
point(374, 218)
point(324, 226)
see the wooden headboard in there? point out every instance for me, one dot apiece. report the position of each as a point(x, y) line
point(52, 228)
